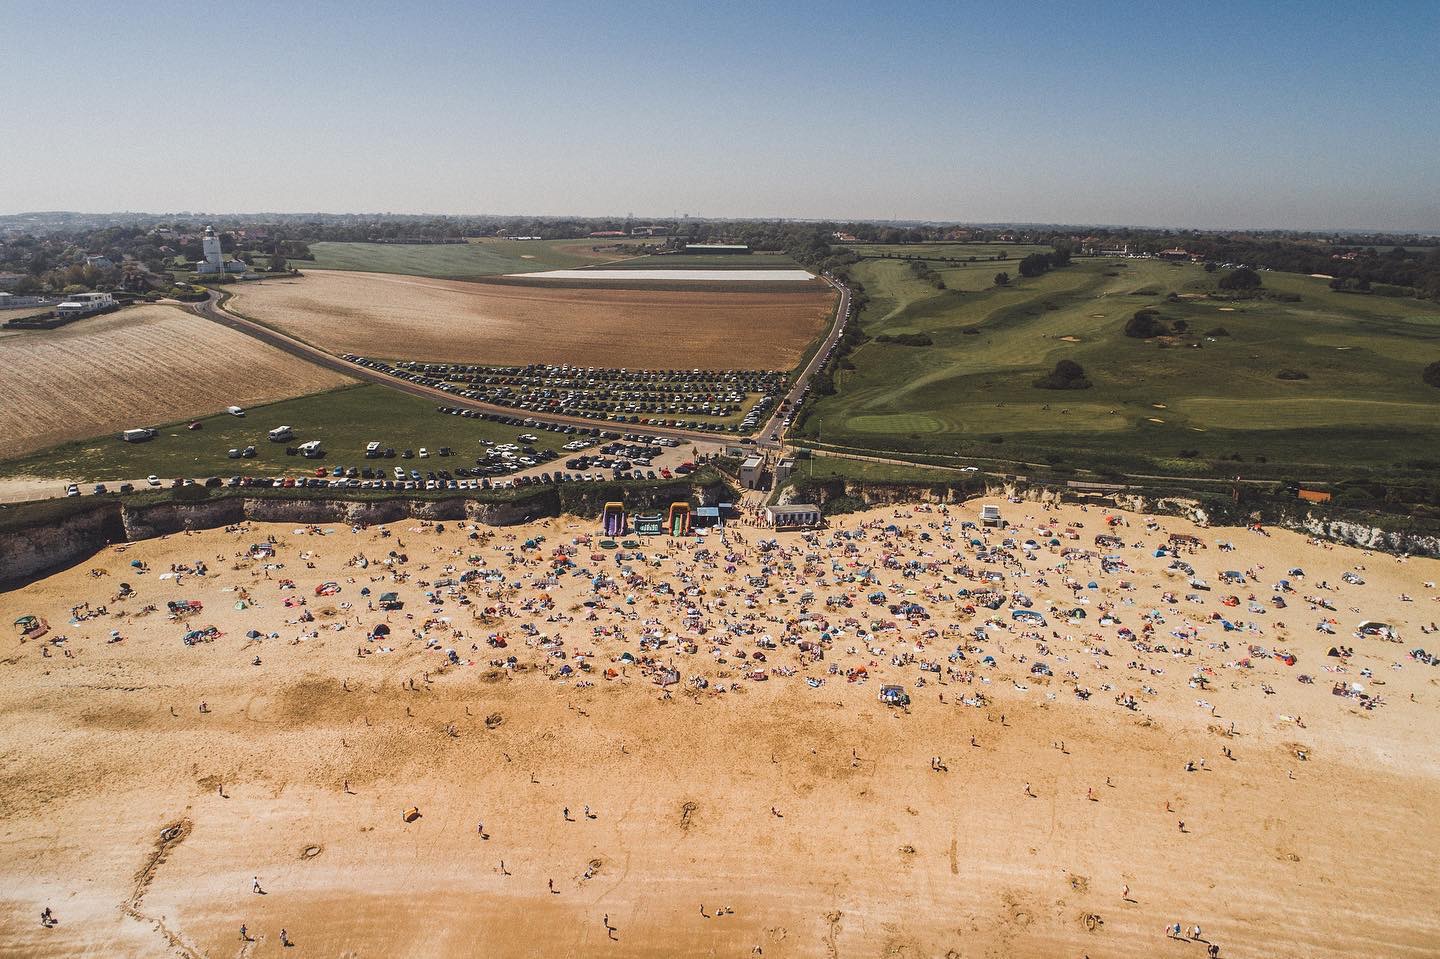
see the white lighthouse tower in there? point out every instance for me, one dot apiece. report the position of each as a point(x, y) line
point(214, 260)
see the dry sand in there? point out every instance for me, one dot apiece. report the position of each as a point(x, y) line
point(137, 367)
point(408, 317)
point(873, 852)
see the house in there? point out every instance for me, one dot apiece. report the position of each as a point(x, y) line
point(100, 262)
point(1174, 253)
point(83, 304)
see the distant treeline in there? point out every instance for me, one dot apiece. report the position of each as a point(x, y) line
point(45, 246)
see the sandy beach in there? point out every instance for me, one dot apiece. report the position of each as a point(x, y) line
point(680, 750)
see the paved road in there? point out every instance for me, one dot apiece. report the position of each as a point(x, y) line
point(802, 382)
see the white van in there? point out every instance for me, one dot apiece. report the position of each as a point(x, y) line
point(234, 411)
point(311, 450)
point(372, 451)
point(281, 433)
point(138, 436)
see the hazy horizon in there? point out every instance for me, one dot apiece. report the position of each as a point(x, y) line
point(1307, 117)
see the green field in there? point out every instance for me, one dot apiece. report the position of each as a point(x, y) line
point(343, 420)
point(821, 468)
point(478, 258)
point(947, 251)
point(1182, 408)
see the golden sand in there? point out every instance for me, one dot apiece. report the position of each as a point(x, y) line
point(1002, 814)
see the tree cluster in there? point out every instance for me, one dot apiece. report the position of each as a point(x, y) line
point(1241, 280)
point(1067, 375)
point(1037, 263)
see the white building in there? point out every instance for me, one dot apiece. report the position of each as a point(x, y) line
point(794, 516)
point(215, 261)
point(751, 472)
point(82, 304)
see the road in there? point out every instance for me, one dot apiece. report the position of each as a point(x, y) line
point(802, 382)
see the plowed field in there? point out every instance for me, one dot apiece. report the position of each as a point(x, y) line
point(138, 367)
point(406, 317)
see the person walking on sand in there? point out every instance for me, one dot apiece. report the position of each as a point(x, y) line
point(255, 886)
point(244, 933)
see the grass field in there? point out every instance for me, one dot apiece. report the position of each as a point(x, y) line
point(1181, 410)
point(835, 467)
point(477, 258)
point(948, 251)
point(343, 420)
point(415, 318)
point(136, 367)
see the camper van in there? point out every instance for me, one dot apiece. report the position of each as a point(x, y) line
point(281, 433)
point(372, 451)
point(311, 450)
point(234, 411)
point(138, 436)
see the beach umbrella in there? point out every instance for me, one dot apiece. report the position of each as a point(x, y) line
point(253, 634)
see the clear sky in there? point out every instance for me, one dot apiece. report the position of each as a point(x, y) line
point(1263, 114)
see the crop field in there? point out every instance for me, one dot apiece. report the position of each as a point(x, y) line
point(344, 420)
point(136, 367)
point(414, 318)
point(708, 261)
point(1206, 403)
point(458, 261)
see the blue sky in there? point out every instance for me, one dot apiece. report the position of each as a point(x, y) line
point(1311, 115)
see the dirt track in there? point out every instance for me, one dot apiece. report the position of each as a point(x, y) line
point(402, 317)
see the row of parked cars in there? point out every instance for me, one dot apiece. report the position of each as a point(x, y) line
point(529, 422)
